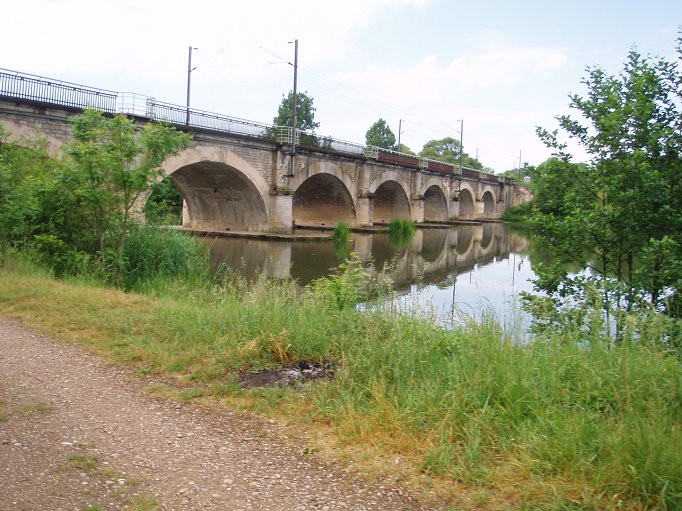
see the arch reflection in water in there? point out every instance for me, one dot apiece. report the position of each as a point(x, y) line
point(486, 255)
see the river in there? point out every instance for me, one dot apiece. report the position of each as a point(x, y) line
point(447, 273)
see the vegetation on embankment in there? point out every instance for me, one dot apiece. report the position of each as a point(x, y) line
point(519, 214)
point(561, 423)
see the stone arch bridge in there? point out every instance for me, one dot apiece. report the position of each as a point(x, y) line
point(237, 176)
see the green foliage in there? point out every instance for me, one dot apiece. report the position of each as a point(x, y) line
point(520, 213)
point(519, 175)
point(401, 232)
point(152, 253)
point(347, 288)
point(164, 206)
point(622, 213)
point(340, 237)
point(112, 167)
point(76, 216)
point(61, 257)
point(404, 149)
point(341, 232)
point(448, 150)
point(305, 112)
point(27, 177)
point(380, 135)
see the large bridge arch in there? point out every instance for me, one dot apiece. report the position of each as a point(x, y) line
point(467, 206)
point(323, 200)
point(435, 204)
point(390, 202)
point(391, 192)
point(221, 190)
point(489, 208)
point(488, 198)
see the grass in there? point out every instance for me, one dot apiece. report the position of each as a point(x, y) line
point(142, 503)
point(29, 409)
point(341, 232)
point(550, 425)
point(401, 232)
point(80, 462)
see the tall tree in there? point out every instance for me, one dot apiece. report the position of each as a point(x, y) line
point(113, 165)
point(305, 112)
point(626, 205)
point(380, 135)
point(448, 150)
point(445, 149)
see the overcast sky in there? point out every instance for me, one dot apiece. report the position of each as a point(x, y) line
point(503, 67)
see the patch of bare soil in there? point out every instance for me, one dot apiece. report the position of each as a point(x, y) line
point(79, 434)
point(288, 375)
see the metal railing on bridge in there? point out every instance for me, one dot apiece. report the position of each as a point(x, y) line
point(55, 92)
point(47, 91)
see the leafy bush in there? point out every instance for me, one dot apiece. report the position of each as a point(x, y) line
point(152, 253)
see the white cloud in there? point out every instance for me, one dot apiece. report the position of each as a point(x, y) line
point(432, 83)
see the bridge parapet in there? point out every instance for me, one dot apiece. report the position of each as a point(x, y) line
point(35, 89)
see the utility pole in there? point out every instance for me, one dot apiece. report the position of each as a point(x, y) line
point(189, 79)
point(461, 143)
point(400, 131)
point(294, 101)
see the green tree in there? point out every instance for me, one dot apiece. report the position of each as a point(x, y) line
point(380, 135)
point(404, 149)
point(625, 207)
point(305, 112)
point(26, 177)
point(448, 150)
point(445, 150)
point(164, 205)
point(112, 165)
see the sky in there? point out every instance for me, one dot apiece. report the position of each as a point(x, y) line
point(496, 68)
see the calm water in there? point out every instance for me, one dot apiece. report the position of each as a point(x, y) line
point(450, 272)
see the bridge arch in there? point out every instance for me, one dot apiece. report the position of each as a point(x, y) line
point(390, 202)
point(488, 204)
point(221, 190)
point(467, 208)
point(435, 204)
point(323, 200)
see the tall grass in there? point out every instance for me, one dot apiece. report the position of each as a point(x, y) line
point(401, 232)
point(153, 253)
point(150, 254)
point(556, 424)
point(341, 232)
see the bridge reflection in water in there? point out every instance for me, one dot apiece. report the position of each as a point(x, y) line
point(488, 259)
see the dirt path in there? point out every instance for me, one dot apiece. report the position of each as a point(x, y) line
point(78, 434)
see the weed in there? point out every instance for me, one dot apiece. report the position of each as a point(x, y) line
point(401, 232)
point(142, 503)
point(189, 394)
point(341, 232)
point(79, 462)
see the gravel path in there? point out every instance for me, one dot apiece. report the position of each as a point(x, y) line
point(79, 434)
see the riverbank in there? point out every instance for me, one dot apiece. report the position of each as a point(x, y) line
point(464, 413)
